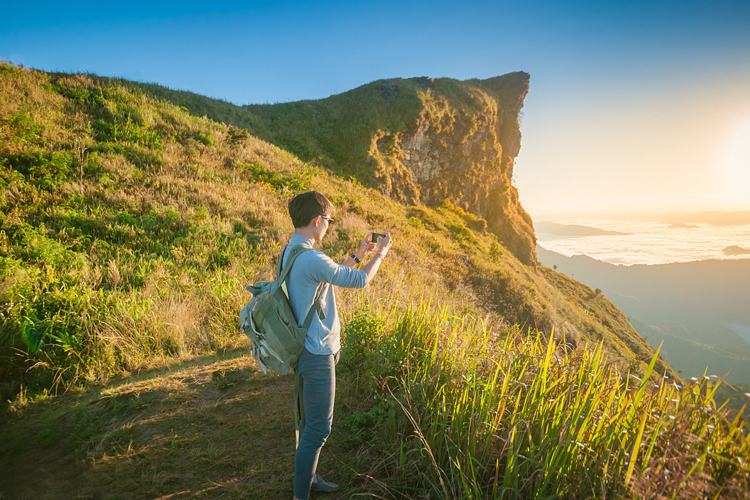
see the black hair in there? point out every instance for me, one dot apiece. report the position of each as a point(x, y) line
point(304, 207)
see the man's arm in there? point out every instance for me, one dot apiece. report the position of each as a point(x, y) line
point(383, 245)
point(322, 269)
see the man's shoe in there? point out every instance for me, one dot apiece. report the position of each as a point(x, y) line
point(320, 484)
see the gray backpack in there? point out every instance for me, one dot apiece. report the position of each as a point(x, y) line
point(270, 323)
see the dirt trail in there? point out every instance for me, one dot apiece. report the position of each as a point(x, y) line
point(210, 428)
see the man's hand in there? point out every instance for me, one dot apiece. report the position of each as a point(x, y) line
point(384, 243)
point(366, 246)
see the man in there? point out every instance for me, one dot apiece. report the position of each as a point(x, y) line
point(311, 215)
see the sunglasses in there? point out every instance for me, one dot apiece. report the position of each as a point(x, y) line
point(330, 220)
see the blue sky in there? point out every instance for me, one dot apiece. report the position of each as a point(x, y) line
point(632, 104)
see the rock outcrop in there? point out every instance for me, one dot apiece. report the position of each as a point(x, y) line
point(462, 147)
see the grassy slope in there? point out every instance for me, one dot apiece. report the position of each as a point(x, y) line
point(329, 133)
point(138, 261)
point(325, 132)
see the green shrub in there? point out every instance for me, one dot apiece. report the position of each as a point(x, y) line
point(25, 129)
point(280, 183)
point(361, 335)
point(495, 251)
point(43, 169)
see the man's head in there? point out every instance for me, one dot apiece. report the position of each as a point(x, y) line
point(306, 206)
point(311, 214)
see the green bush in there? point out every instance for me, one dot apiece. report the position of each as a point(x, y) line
point(45, 170)
point(361, 335)
point(25, 128)
point(280, 183)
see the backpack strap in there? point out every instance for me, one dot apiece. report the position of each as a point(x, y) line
point(315, 307)
point(283, 274)
point(281, 259)
point(299, 406)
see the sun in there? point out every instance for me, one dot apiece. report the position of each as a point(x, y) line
point(738, 163)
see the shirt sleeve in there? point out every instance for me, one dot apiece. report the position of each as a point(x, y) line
point(325, 270)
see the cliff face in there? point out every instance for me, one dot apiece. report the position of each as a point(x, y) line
point(462, 147)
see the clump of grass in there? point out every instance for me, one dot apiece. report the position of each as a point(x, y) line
point(469, 411)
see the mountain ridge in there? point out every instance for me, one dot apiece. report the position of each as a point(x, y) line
point(418, 140)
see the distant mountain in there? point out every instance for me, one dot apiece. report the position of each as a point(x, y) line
point(738, 218)
point(712, 218)
point(690, 306)
point(572, 229)
point(735, 250)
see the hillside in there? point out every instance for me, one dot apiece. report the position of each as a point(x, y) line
point(128, 228)
point(418, 141)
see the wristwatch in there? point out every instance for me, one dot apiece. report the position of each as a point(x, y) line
point(356, 259)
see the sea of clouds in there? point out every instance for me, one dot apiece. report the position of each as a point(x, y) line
point(650, 242)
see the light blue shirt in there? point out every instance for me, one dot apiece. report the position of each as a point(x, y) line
point(309, 270)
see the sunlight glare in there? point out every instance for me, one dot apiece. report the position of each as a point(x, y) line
point(739, 162)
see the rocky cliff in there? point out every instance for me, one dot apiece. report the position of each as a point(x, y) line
point(462, 148)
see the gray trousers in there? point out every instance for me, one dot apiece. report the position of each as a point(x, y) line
point(318, 375)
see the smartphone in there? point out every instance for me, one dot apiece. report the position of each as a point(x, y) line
point(375, 236)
